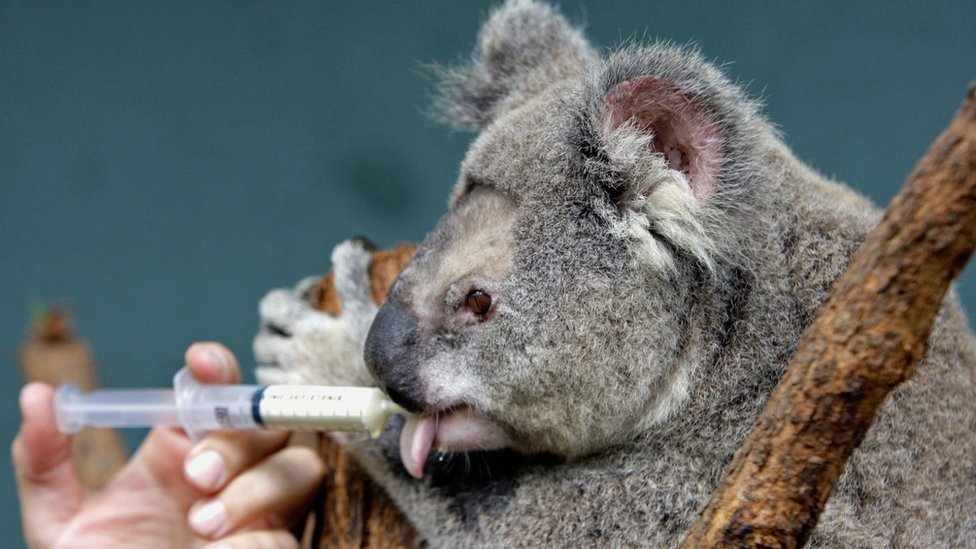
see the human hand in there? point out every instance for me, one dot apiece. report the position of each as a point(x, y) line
point(242, 488)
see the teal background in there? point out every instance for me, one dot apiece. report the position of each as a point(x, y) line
point(162, 165)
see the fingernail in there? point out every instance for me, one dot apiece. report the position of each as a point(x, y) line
point(208, 519)
point(219, 360)
point(206, 470)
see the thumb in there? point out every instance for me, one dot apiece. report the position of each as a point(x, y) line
point(47, 484)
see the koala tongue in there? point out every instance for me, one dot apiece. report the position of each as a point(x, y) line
point(415, 442)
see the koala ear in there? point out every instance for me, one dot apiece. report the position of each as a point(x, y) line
point(523, 48)
point(673, 123)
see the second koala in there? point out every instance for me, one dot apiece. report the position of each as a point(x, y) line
point(630, 256)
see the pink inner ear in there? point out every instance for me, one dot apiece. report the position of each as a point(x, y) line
point(684, 132)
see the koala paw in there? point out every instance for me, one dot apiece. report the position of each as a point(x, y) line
point(314, 333)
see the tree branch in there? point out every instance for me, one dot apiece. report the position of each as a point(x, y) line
point(866, 340)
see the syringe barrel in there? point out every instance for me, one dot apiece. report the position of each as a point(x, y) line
point(321, 408)
point(206, 408)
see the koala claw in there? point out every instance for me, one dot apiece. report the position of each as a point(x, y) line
point(351, 260)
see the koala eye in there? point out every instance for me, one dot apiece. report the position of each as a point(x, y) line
point(478, 302)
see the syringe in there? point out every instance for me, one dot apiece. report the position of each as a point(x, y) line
point(199, 408)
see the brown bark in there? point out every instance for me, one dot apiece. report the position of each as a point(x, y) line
point(354, 511)
point(866, 340)
point(54, 355)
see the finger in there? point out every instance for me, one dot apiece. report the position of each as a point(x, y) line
point(275, 491)
point(47, 483)
point(222, 455)
point(257, 539)
point(212, 363)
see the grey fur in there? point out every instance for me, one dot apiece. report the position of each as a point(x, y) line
point(635, 332)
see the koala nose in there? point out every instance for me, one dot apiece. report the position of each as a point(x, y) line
point(390, 354)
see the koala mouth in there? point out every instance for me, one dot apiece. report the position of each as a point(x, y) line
point(457, 429)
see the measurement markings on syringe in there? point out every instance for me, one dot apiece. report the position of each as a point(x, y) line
point(314, 408)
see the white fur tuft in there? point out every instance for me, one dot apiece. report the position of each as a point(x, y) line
point(662, 200)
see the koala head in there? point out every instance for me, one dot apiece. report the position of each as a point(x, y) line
point(565, 300)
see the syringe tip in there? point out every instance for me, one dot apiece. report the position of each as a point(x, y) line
point(392, 407)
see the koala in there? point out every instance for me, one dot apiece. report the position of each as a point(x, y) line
point(628, 260)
